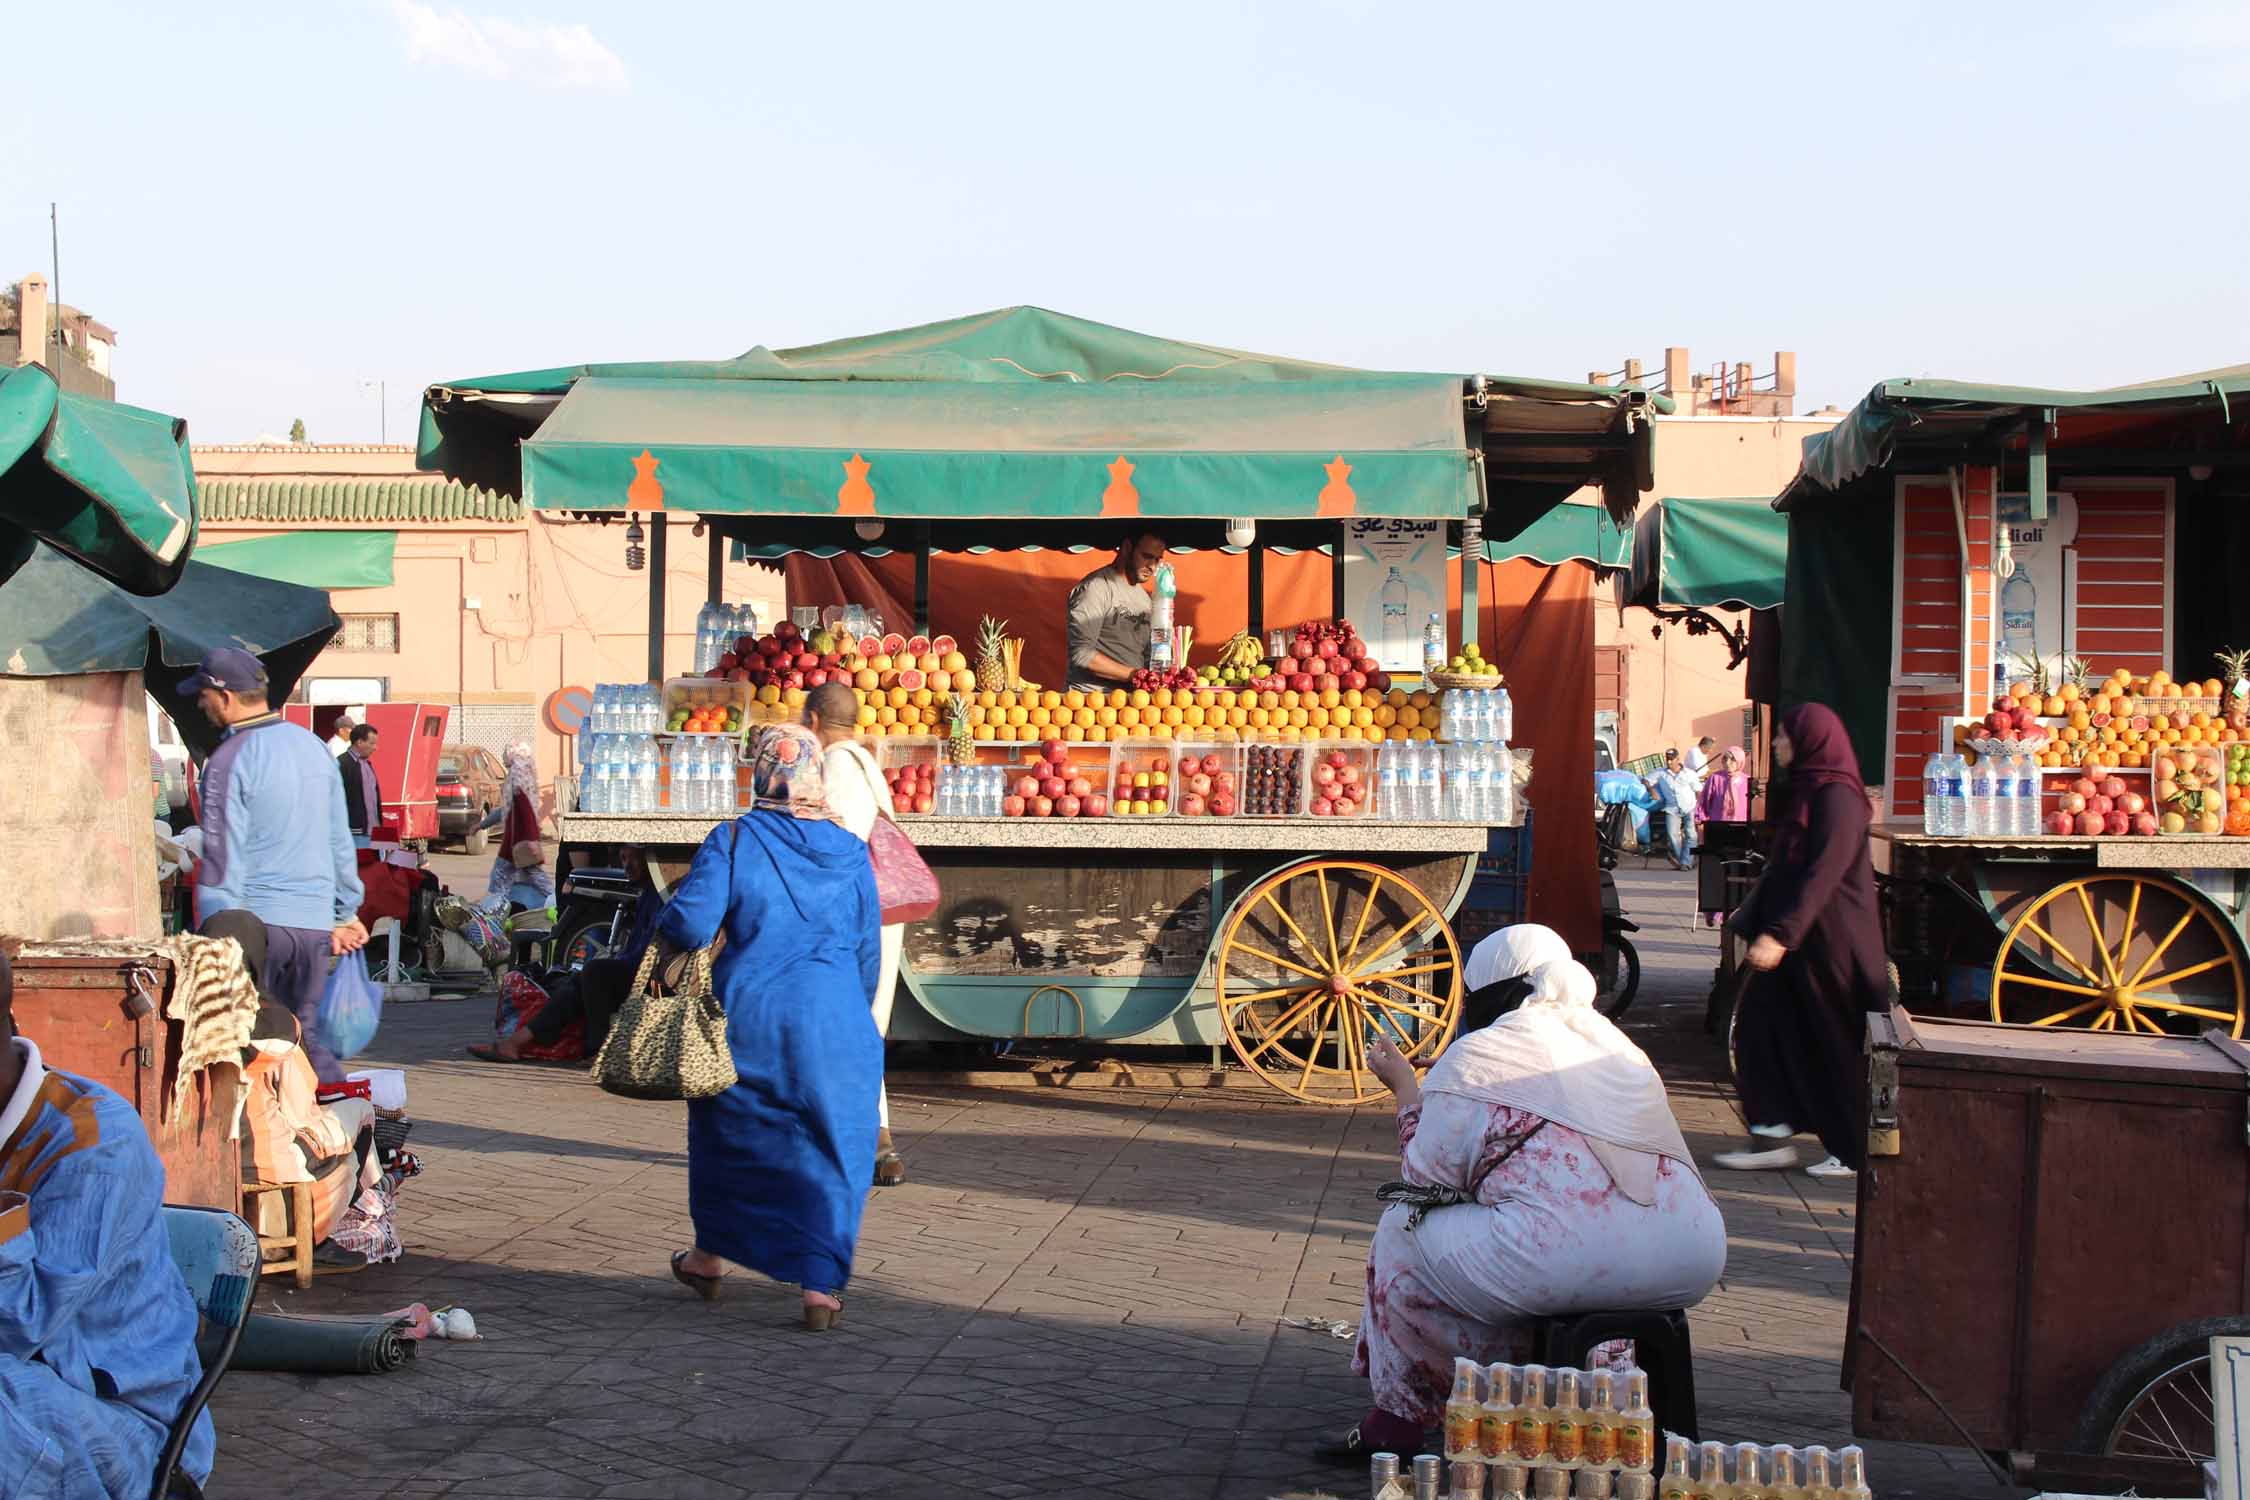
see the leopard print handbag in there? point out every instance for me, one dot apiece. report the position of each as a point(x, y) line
point(668, 1046)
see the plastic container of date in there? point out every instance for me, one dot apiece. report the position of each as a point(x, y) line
point(1339, 779)
point(1057, 779)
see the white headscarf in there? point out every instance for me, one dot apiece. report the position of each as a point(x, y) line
point(1562, 1060)
point(523, 771)
point(1512, 951)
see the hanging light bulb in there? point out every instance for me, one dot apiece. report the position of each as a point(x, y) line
point(636, 549)
point(867, 531)
point(1241, 531)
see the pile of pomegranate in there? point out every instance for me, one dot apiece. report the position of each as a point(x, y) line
point(1339, 786)
point(1206, 787)
point(1148, 679)
point(1324, 656)
point(2088, 807)
point(913, 787)
point(1050, 787)
point(784, 659)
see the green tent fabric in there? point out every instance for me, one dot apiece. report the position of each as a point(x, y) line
point(1025, 413)
point(1708, 554)
point(57, 620)
point(316, 559)
point(108, 485)
point(1567, 533)
point(1836, 620)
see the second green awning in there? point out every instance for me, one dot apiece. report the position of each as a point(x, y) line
point(1708, 554)
point(107, 485)
point(1352, 445)
point(1567, 533)
point(315, 559)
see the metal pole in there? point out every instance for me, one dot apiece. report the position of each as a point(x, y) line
point(922, 581)
point(656, 596)
point(1472, 574)
point(1257, 600)
point(1336, 571)
point(714, 569)
point(54, 292)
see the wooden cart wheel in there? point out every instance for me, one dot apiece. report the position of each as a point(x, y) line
point(2121, 952)
point(1314, 956)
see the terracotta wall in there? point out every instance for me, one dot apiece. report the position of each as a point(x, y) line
point(77, 819)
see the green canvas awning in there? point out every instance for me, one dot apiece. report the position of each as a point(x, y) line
point(1035, 417)
point(315, 559)
point(1567, 533)
point(108, 485)
point(1707, 554)
point(57, 620)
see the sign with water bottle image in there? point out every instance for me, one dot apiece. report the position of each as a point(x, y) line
point(2032, 622)
point(1394, 578)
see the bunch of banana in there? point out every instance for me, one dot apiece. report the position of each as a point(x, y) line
point(1240, 659)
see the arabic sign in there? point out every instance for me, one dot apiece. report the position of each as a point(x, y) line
point(1394, 580)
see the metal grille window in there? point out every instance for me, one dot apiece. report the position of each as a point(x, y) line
point(493, 726)
point(367, 633)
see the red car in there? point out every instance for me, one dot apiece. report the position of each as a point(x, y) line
point(470, 783)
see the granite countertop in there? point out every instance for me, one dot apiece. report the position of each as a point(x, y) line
point(1306, 835)
point(2173, 851)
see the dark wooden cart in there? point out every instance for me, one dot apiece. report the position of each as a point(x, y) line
point(2052, 1226)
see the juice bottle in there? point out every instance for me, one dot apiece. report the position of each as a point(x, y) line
point(1711, 1473)
point(1462, 1411)
point(1496, 1429)
point(1601, 1424)
point(1566, 1430)
point(1636, 1427)
point(1853, 1485)
point(1820, 1483)
point(1781, 1482)
point(1749, 1475)
point(1534, 1421)
point(1677, 1483)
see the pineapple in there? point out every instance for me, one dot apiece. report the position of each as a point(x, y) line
point(2234, 671)
point(962, 745)
point(992, 674)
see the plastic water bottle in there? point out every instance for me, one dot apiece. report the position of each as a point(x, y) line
point(1984, 788)
point(1433, 645)
point(708, 620)
point(1430, 804)
point(2030, 823)
point(1933, 797)
point(1956, 796)
point(2003, 804)
point(1387, 793)
point(1503, 716)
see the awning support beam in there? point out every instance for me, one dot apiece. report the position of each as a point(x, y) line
point(656, 555)
point(2035, 467)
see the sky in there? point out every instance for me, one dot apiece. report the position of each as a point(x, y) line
point(278, 206)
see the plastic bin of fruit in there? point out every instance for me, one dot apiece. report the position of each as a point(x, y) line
point(1340, 779)
point(896, 750)
point(1203, 777)
point(1058, 779)
point(689, 696)
point(1273, 780)
point(1142, 778)
point(2169, 707)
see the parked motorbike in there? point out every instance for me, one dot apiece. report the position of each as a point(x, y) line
point(1618, 978)
point(593, 910)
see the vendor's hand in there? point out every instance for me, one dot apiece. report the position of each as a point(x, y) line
point(1390, 1066)
point(1766, 954)
point(349, 937)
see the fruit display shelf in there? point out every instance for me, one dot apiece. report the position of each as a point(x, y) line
point(2174, 851)
point(1347, 836)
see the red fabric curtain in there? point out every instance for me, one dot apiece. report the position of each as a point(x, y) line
point(1537, 622)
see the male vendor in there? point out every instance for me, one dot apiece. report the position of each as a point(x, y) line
point(97, 1330)
point(1109, 612)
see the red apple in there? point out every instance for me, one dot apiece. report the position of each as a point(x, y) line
point(1324, 774)
point(1027, 787)
point(1191, 806)
point(1067, 806)
point(1011, 807)
point(1222, 805)
point(2101, 805)
point(2113, 788)
point(1223, 782)
point(1079, 786)
point(2133, 804)
point(1042, 807)
point(816, 677)
point(2062, 822)
point(1998, 720)
point(2145, 824)
point(1051, 787)
point(1348, 776)
point(2117, 823)
point(1199, 784)
point(2084, 786)
point(1096, 806)
point(1323, 808)
point(924, 803)
point(2072, 803)
point(1056, 751)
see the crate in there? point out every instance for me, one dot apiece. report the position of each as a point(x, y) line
point(1499, 892)
point(1131, 757)
point(1358, 765)
point(700, 692)
point(1271, 772)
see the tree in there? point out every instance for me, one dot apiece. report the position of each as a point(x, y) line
point(297, 430)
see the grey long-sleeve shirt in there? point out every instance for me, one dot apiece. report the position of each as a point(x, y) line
point(1109, 613)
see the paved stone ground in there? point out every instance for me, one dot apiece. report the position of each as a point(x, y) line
point(1077, 1292)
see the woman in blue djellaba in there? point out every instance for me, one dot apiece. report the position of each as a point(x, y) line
point(779, 1164)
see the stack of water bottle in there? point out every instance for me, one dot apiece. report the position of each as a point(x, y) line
point(1479, 773)
point(1410, 781)
point(703, 775)
point(1996, 798)
point(717, 627)
point(971, 791)
point(619, 768)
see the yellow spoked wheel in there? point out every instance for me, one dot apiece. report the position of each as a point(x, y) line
point(1316, 956)
point(2121, 952)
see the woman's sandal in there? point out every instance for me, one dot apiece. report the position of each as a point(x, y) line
point(820, 1319)
point(890, 1169)
point(706, 1287)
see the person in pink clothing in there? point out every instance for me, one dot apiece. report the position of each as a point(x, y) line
point(1725, 799)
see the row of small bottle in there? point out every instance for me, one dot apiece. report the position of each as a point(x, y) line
point(1476, 716)
point(704, 775)
point(717, 627)
point(1507, 1481)
point(620, 773)
point(1576, 1422)
point(626, 708)
point(1998, 797)
point(1759, 1473)
point(972, 791)
point(1409, 780)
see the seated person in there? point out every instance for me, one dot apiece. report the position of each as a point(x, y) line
point(594, 992)
point(97, 1329)
point(1544, 1174)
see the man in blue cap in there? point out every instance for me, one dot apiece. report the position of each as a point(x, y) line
point(275, 841)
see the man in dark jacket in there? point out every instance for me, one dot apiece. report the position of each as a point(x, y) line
point(363, 794)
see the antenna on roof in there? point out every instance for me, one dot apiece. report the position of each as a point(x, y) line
point(54, 251)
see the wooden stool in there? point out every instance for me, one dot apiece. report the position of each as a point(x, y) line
point(293, 1251)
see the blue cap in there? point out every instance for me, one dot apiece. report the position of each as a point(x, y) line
point(228, 669)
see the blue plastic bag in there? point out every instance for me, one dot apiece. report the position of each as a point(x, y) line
point(350, 1008)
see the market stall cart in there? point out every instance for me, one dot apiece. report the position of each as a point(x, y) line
point(2051, 1229)
point(1282, 933)
point(2057, 556)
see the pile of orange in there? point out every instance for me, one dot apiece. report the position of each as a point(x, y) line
point(2127, 721)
